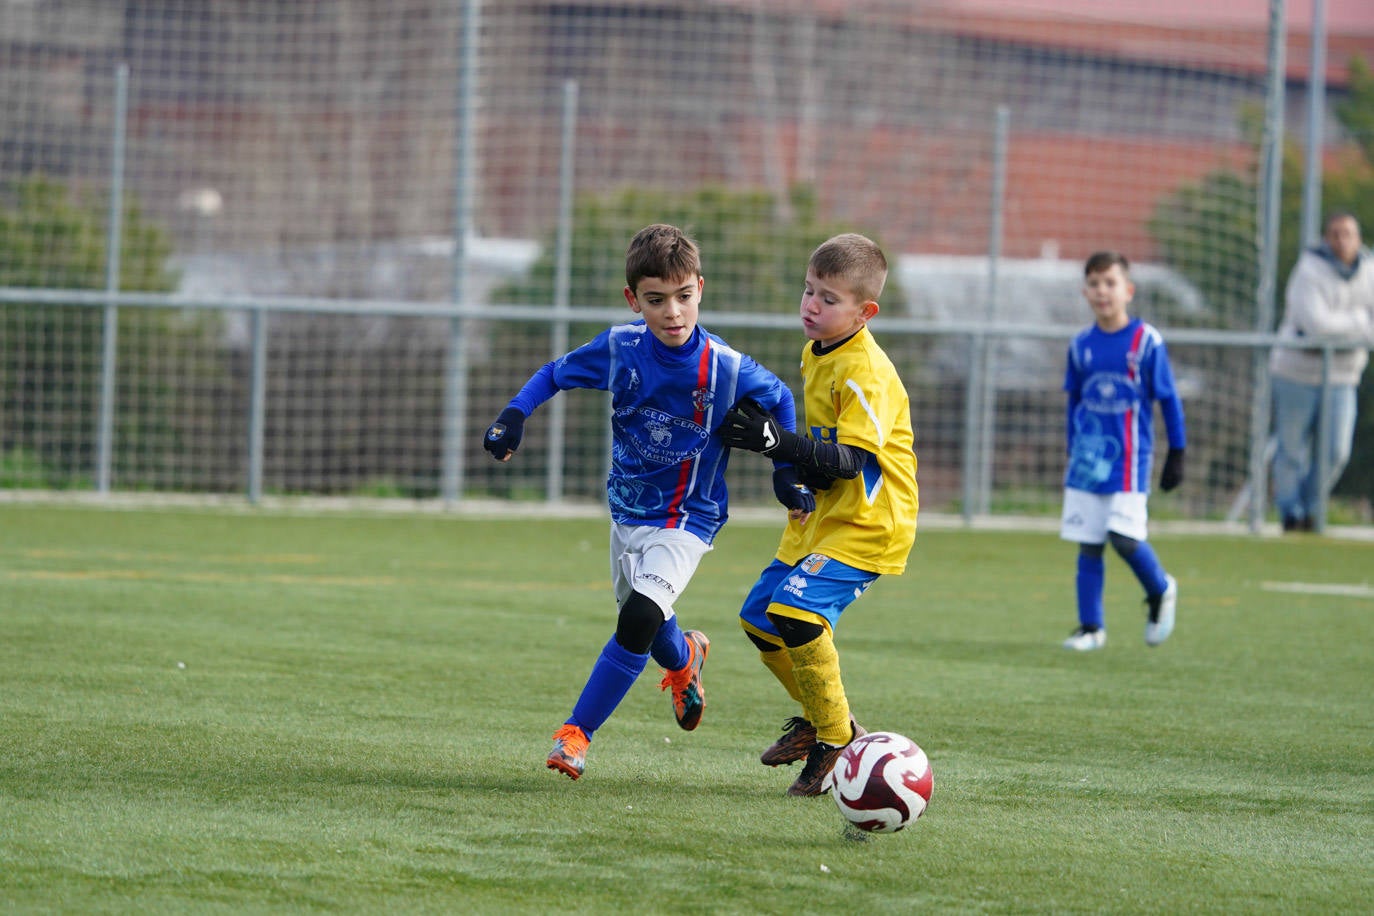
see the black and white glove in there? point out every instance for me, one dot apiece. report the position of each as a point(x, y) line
point(748, 426)
point(503, 437)
point(791, 492)
point(1172, 475)
point(819, 464)
point(815, 478)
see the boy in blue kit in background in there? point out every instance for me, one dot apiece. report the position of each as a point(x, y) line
point(1117, 369)
point(671, 382)
point(858, 452)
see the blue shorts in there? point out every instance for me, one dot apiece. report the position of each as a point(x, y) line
point(817, 585)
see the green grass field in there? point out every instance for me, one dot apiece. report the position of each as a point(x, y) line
point(228, 712)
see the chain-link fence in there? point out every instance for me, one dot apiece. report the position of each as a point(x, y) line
point(290, 180)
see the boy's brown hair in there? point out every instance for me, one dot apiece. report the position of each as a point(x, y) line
point(661, 251)
point(854, 258)
point(1100, 261)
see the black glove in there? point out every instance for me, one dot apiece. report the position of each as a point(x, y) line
point(791, 492)
point(815, 478)
point(748, 426)
point(1172, 475)
point(503, 436)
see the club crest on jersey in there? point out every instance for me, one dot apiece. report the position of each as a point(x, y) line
point(702, 399)
point(659, 433)
point(814, 563)
point(658, 437)
point(1109, 393)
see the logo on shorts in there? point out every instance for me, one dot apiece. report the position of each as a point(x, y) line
point(814, 563)
point(1074, 521)
point(659, 581)
point(796, 585)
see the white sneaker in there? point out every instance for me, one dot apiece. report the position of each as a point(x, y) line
point(1086, 640)
point(1158, 629)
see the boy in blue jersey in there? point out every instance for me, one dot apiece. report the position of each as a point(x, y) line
point(1117, 370)
point(857, 452)
point(671, 382)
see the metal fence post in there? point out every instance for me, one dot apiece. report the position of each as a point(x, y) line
point(987, 405)
point(1316, 123)
point(257, 403)
point(1271, 154)
point(1322, 472)
point(973, 399)
point(562, 289)
point(456, 378)
point(104, 436)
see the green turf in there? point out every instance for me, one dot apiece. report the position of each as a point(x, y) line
point(228, 712)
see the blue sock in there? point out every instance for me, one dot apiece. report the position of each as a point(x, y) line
point(1145, 565)
point(669, 649)
point(612, 677)
point(1091, 576)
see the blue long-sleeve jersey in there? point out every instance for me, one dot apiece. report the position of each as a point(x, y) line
point(1113, 381)
point(667, 464)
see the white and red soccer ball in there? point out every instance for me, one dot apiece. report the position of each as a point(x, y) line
point(882, 782)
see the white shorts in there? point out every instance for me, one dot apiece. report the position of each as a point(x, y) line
point(656, 562)
point(1089, 516)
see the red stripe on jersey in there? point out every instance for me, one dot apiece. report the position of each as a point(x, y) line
point(1129, 479)
point(699, 416)
point(1128, 453)
point(1133, 354)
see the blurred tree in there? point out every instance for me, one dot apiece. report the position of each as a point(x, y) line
point(752, 262)
point(53, 240)
point(1207, 231)
point(49, 378)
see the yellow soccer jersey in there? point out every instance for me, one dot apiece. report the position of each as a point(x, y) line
point(853, 396)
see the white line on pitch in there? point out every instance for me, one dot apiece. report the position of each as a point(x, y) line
point(1320, 588)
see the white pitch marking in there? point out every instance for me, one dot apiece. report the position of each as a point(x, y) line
point(1320, 588)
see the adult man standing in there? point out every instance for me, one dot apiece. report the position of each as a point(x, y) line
point(1330, 296)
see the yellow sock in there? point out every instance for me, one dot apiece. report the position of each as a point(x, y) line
point(775, 660)
point(816, 667)
point(780, 663)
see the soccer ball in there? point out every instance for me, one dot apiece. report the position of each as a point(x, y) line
point(882, 782)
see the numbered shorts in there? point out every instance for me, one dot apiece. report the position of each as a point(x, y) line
point(817, 585)
point(656, 562)
point(1088, 517)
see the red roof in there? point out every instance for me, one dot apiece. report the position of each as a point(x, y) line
point(1201, 39)
point(1343, 17)
point(1066, 195)
point(1229, 35)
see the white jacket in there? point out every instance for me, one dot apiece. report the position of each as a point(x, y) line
point(1322, 304)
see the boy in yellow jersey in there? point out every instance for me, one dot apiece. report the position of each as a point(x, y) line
point(857, 455)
